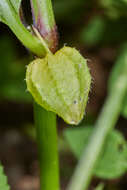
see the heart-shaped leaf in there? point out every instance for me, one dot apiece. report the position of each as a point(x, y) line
point(61, 83)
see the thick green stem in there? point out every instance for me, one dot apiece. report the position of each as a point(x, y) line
point(39, 13)
point(47, 144)
point(107, 120)
point(44, 22)
point(12, 19)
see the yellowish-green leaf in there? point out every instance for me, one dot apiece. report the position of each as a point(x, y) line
point(7, 5)
point(16, 4)
point(61, 83)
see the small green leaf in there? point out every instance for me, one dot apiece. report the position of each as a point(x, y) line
point(113, 159)
point(3, 180)
point(120, 70)
point(61, 83)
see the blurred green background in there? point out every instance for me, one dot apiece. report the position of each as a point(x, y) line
point(98, 28)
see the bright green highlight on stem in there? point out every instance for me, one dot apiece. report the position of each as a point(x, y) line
point(47, 144)
point(60, 83)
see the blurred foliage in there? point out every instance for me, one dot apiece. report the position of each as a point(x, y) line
point(119, 68)
point(124, 111)
point(100, 187)
point(93, 24)
point(114, 8)
point(103, 31)
point(113, 159)
point(93, 33)
point(71, 9)
point(12, 72)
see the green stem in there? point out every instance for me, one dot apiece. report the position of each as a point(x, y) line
point(46, 121)
point(106, 121)
point(38, 11)
point(47, 144)
point(44, 22)
point(12, 19)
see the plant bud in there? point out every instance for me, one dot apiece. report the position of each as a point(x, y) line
point(60, 83)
